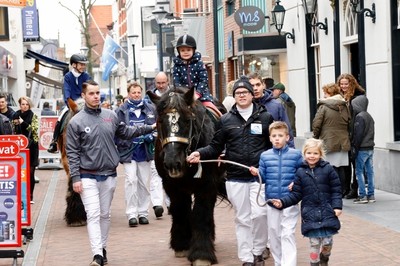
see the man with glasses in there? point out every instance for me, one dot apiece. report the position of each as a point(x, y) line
point(245, 135)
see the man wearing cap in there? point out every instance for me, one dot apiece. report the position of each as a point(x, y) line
point(278, 92)
point(243, 131)
point(274, 107)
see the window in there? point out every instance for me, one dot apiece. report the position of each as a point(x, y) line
point(149, 27)
point(350, 18)
point(4, 31)
point(230, 7)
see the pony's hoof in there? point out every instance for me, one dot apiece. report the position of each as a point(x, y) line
point(77, 224)
point(181, 254)
point(201, 263)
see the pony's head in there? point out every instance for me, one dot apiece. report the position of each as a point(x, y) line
point(181, 124)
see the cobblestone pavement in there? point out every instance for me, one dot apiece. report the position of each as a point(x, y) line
point(370, 233)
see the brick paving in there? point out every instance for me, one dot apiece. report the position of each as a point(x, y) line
point(360, 242)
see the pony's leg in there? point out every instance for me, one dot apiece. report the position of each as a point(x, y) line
point(181, 234)
point(203, 227)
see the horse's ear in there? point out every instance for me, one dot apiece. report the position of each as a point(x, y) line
point(73, 105)
point(153, 97)
point(189, 96)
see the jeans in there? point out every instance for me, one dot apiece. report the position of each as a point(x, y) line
point(364, 161)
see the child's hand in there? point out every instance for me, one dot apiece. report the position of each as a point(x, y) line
point(290, 187)
point(277, 203)
point(254, 171)
point(337, 212)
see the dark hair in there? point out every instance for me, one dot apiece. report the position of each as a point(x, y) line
point(269, 82)
point(88, 83)
point(2, 95)
point(46, 105)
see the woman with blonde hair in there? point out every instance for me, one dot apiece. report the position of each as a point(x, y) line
point(229, 101)
point(27, 124)
point(350, 89)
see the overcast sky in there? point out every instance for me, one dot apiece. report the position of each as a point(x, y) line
point(54, 19)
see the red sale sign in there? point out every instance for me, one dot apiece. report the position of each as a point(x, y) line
point(46, 129)
point(8, 149)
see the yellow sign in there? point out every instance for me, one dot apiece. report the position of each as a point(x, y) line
point(13, 3)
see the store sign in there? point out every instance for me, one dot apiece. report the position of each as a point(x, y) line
point(10, 207)
point(25, 188)
point(30, 22)
point(250, 18)
point(13, 3)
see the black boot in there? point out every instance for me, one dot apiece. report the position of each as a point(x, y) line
point(53, 146)
point(323, 260)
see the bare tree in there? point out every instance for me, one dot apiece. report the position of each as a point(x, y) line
point(84, 20)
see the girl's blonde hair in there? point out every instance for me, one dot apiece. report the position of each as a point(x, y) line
point(314, 143)
point(229, 88)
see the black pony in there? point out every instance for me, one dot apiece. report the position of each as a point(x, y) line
point(184, 125)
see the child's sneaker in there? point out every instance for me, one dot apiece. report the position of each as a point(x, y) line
point(360, 200)
point(371, 198)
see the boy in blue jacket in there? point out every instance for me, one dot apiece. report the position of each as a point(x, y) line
point(277, 168)
point(318, 186)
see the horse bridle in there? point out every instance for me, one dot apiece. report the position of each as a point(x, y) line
point(172, 138)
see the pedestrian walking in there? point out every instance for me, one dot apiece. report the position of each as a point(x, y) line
point(93, 159)
point(277, 168)
point(136, 155)
point(278, 92)
point(243, 132)
point(318, 187)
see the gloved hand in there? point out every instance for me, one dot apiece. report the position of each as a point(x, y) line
point(148, 138)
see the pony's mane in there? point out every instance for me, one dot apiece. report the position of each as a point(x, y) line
point(175, 99)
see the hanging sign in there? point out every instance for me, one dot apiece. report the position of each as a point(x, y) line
point(250, 18)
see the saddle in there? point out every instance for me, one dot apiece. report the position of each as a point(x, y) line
point(212, 111)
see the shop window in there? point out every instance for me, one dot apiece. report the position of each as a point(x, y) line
point(4, 31)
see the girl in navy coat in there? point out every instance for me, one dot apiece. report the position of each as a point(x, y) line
point(318, 186)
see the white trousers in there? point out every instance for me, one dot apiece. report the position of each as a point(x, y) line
point(281, 230)
point(156, 188)
point(97, 198)
point(251, 219)
point(137, 195)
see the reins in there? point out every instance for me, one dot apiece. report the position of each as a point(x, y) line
point(200, 169)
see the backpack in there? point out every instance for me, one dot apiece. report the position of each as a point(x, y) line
point(5, 125)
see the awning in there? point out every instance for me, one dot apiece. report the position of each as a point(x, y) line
point(44, 81)
point(55, 63)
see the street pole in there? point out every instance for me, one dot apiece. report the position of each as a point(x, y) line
point(134, 62)
point(160, 47)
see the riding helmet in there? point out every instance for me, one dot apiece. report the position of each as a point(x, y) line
point(186, 40)
point(78, 58)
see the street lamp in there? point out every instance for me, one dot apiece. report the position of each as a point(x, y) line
point(84, 50)
point(368, 12)
point(159, 15)
point(310, 8)
point(278, 15)
point(133, 39)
